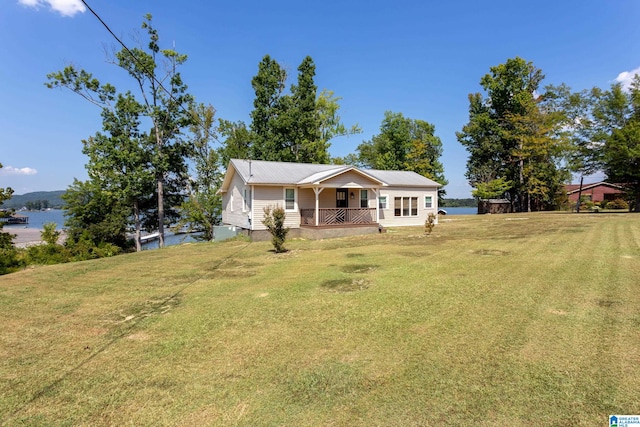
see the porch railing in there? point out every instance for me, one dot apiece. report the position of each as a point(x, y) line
point(338, 216)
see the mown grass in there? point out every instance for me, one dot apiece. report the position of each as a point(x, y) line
point(529, 319)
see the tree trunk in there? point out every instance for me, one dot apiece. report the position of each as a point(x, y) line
point(136, 218)
point(160, 213)
point(637, 206)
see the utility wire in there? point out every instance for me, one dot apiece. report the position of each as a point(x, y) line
point(135, 58)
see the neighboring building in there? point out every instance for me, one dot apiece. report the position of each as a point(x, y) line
point(324, 200)
point(494, 206)
point(596, 192)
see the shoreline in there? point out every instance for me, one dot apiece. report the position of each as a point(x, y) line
point(26, 237)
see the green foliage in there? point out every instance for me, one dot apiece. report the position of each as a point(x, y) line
point(6, 239)
point(274, 219)
point(459, 203)
point(493, 189)
point(404, 144)
point(203, 209)
point(49, 233)
point(125, 161)
point(95, 215)
point(516, 135)
point(429, 223)
point(617, 204)
point(291, 127)
point(47, 254)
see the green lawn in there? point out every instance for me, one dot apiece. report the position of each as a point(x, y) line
point(527, 319)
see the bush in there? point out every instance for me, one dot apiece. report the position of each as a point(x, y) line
point(430, 223)
point(9, 260)
point(49, 234)
point(618, 204)
point(47, 254)
point(274, 221)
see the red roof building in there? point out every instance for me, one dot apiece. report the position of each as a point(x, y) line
point(596, 192)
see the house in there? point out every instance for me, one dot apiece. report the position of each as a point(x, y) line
point(596, 192)
point(324, 200)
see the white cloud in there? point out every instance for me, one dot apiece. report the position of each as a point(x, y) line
point(64, 7)
point(626, 77)
point(10, 170)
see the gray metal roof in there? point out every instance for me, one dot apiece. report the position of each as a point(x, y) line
point(284, 173)
point(402, 178)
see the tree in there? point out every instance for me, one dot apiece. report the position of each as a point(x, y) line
point(268, 85)
point(95, 215)
point(6, 239)
point(619, 114)
point(120, 159)
point(202, 211)
point(293, 127)
point(164, 100)
point(515, 135)
point(404, 144)
point(237, 143)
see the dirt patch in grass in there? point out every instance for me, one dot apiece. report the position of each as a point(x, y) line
point(491, 252)
point(354, 255)
point(359, 268)
point(137, 311)
point(346, 285)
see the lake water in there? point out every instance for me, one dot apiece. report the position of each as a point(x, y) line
point(461, 211)
point(37, 220)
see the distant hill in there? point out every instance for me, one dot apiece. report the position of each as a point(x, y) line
point(19, 201)
point(459, 203)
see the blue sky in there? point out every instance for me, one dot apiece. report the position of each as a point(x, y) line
point(420, 58)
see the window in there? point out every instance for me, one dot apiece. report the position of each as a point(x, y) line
point(246, 199)
point(289, 199)
point(364, 201)
point(382, 202)
point(428, 202)
point(406, 206)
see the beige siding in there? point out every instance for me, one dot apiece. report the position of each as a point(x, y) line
point(349, 179)
point(273, 196)
point(387, 216)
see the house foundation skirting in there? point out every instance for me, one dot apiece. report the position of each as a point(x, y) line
point(317, 233)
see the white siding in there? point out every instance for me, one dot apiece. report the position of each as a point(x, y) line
point(387, 216)
point(233, 204)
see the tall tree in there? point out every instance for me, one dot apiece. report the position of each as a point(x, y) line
point(293, 127)
point(404, 144)
point(512, 135)
point(202, 211)
point(268, 85)
point(618, 115)
point(120, 159)
point(164, 101)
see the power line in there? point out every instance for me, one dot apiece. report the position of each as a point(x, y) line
point(135, 58)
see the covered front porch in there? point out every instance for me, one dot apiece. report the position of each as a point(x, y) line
point(323, 217)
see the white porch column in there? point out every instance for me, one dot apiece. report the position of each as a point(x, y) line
point(317, 191)
point(377, 193)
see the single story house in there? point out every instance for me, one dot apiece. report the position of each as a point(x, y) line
point(596, 192)
point(324, 200)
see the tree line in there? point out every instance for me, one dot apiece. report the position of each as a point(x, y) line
point(525, 140)
point(159, 158)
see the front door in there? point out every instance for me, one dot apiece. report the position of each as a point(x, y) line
point(341, 197)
